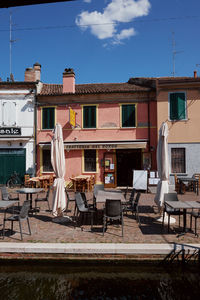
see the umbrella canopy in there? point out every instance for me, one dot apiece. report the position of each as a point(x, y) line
point(162, 165)
point(58, 164)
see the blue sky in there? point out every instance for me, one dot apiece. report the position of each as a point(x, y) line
point(124, 38)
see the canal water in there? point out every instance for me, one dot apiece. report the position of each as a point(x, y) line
point(63, 281)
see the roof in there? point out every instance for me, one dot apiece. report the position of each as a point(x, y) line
point(96, 88)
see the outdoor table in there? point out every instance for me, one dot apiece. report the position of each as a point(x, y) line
point(192, 180)
point(103, 195)
point(82, 180)
point(183, 205)
point(29, 193)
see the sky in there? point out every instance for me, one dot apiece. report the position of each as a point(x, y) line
point(102, 40)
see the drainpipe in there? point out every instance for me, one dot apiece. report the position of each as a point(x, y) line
point(35, 130)
point(149, 133)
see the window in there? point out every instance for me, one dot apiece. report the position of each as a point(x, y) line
point(89, 116)
point(128, 115)
point(46, 156)
point(178, 160)
point(48, 117)
point(9, 113)
point(90, 160)
point(177, 103)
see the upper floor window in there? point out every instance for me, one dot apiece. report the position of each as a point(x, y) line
point(89, 116)
point(128, 115)
point(9, 113)
point(177, 106)
point(48, 117)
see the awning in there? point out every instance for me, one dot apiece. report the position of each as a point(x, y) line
point(100, 145)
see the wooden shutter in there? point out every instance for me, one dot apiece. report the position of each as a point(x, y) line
point(178, 160)
point(177, 106)
point(128, 115)
point(89, 116)
point(9, 113)
point(48, 118)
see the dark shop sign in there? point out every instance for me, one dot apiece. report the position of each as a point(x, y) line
point(10, 131)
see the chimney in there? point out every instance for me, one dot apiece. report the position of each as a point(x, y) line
point(33, 74)
point(69, 81)
point(195, 74)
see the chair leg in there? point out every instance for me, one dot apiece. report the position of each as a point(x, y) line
point(48, 205)
point(195, 227)
point(168, 222)
point(4, 222)
point(122, 220)
point(29, 228)
point(20, 227)
point(104, 224)
point(191, 222)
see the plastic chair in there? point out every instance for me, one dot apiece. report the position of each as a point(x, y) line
point(69, 199)
point(42, 199)
point(195, 215)
point(83, 210)
point(130, 200)
point(22, 216)
point(113, 211)
point(133, 206)
point(5, 196)
point(171, 211)
point(97, 187)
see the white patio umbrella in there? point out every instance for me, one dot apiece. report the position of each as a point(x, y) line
point(58, 164)
point(163, 168)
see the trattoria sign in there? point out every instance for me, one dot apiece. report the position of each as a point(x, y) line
point(10, 131)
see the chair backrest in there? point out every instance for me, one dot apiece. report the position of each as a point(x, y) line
point(4, 193)
point(171, 197)
point(83, 195)
point(136, 201)
point(113, 207)
point(24, 210)
point(98, 187)
point(51, 180)
point(133, 191)
point(79, 201)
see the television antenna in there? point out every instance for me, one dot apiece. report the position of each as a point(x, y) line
point(174, 53)
point(11, 41)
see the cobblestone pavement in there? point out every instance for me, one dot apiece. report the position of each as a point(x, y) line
point(45, 228)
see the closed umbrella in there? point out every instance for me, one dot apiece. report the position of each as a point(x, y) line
point(162, 165)
point(58, 164)
point(163, 169)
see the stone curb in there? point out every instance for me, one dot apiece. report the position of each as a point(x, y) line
point(94, 249)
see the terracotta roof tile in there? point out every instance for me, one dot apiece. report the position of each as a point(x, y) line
point(56, 89)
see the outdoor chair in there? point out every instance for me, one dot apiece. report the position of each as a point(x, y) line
point(70, 199)
point(130, 200)
point(39, 199)
point(113, 211)
point(5, 196)
point(195, 215)
point(97, 187)
point(22, 216)
point(27, 182)
point(133, 206)
point(171, 211)
point(83, 210)
point(179, 187)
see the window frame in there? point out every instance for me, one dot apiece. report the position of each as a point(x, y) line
point(169, 115)
point(96, 159)
point(184, 161)
point(121, 115)
point(42, 117)
point(96, 115)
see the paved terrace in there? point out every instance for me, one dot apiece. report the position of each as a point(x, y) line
point(148, 236)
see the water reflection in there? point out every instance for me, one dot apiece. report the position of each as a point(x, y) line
point(62, 281)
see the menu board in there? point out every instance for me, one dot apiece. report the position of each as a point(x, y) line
point(140, 179)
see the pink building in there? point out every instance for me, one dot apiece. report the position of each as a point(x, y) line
point(115, 129)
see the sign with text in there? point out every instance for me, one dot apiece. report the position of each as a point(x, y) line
point(72, 117)
point(10, 131)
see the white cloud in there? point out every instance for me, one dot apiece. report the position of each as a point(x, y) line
point(87, 1)
point(104, 24)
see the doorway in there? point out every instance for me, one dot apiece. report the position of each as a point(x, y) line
point(127, 161)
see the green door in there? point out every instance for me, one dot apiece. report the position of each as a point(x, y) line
point(12, 160)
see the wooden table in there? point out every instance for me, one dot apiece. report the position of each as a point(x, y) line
point(192, 180)
point(41, 179)
point(185, 205)
point(82, 180)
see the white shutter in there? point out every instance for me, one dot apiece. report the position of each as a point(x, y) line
point(9, 113)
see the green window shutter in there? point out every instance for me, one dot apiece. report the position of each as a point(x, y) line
point(128, 115)
point(181, 106)
point(177, 106)
point(89, 116)
point(48, 118)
